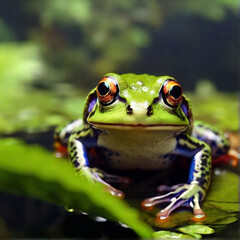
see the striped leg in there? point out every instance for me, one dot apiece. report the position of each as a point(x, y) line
point(192, 193)
point(79, 158)
point(62, 133)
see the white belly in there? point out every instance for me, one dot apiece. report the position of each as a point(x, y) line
point(144, 149)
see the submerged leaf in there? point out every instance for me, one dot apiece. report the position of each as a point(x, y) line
point(196, 230)
point(224, 188)
point(170, 235)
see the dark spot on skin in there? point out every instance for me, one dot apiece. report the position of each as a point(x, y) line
point(129, 110)
point(74, 155)
point(73, 150)
point(149, 110)
point(76, 163)
point(204, 161)
point(71, 144)
point(201, 181)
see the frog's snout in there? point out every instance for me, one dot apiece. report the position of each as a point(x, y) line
point(139, 108)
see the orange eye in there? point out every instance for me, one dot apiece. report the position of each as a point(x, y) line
point(107, 90)
point(172, 93)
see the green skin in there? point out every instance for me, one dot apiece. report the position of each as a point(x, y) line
point(139, 125)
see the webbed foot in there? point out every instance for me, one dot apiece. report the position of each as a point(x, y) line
point(107, 178)
point(100, 176)
point(111, 178)
point(187, 195)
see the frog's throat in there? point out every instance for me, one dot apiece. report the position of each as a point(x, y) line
point(139, 126)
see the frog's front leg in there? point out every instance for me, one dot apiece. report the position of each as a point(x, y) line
point(192, 193)
point(63, 132)
point(79, 157)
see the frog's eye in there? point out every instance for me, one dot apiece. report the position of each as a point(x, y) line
point(172, 93)
point(107, 90)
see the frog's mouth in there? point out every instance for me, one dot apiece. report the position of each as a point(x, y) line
point(139, 126)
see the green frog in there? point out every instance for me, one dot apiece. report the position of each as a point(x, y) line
point(143, 122)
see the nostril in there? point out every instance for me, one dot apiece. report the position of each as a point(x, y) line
point(129, 110)
point(149, 111)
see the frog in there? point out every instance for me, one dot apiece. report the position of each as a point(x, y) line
point(143, 122)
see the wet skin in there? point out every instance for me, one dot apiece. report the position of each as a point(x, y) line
point(143, 122)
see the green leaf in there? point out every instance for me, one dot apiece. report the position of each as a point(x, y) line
point(221, 206)
point(196, 230)
point(34, 172)
point(170, 235)
point(224, 188)
point(222, 201)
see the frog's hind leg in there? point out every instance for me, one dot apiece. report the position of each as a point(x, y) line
point(216, 139)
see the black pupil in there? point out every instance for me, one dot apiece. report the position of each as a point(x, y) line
point(103, 88)
point(176, 92)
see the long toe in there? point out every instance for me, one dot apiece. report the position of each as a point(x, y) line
point(163, 214)
point(165, 188)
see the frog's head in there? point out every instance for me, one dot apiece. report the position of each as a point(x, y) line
point(131, 101)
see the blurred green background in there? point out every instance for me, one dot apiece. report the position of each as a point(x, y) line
point(53, 52)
